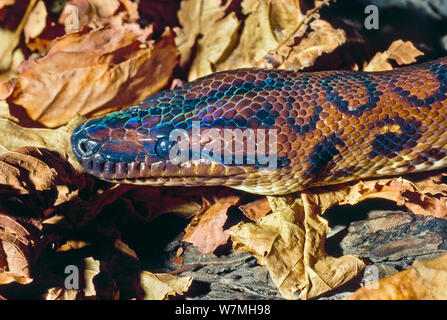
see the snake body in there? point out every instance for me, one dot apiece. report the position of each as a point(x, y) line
point(330, 127)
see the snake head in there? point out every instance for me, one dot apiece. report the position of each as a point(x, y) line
point(105, 146)
point(179, 137)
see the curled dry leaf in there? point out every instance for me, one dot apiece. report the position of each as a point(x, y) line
point(425, 280)
point(197, 18)
point(7, 277)
point(399, 51)
point(89, 268)
point(427, 195)
point(10, 55)
point(97, 13)
point(289, 242)
point(18, 248)
point(178, 259)
point(159, 286)
point(25, 173)
point(58, 140)
point(93, 73)
point(36, 21)
point(205, 22)
point(159, 13)
point(257, 209)
point(206, 230)
point(4, 3)
point(273, 35)
point(38, 176)
point(32, 181)
point(323, 39)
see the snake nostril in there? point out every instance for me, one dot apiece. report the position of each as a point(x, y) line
point(83, 146)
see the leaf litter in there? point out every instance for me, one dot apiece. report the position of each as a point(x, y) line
point(111, 62)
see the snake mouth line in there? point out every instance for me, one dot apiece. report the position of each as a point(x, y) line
point(145, 172)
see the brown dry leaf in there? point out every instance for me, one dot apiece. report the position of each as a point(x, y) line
point(38, 176)
point(72, 245)
point(206, 230)
point(178, 259)
point(90, 269)
point(159, 286)
point(399, 51)
point(427, 196)
point(97, 13)
point(267, 26)
point(4, 3)
point(323, 39)
point(289, 240)
point(257, 209)
point(58, 141)
point(205, 22)
point(10, 55)
point(7, 277)
point(35, 163)
point(36, 21)
point(60, 294)
point(93, 73)
point(273, 35)
point(17, 249)
point(290, 243)
point(425, 280)
point(197, 18)
point(25, 174)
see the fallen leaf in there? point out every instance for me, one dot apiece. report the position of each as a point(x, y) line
point(89, 269)
point(426, 280)
point(159, 286)
point(289, 242)
point(399, 51)
point(287, 38)
point(4, 3)
point(275, 34)
point(25, 173)
point(178, 259)
point(36, 21)
point(206, 230)
point(257, 209)
point(125, 70)
point(17, 252)
point(93, 13)
point(58, 141)
point(197, 18)
point(72, 245)
point(427, 196)
point(214, 46)
point(157, 201)
point(9, 41)
point(10, 55)
point(7, 277)
point(323, 39)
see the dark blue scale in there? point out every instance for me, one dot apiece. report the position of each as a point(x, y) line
point(441, 73)
point(390, 143)
point(340, 103)
point(322, 154)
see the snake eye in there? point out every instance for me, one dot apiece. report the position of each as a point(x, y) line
point(163, 146)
